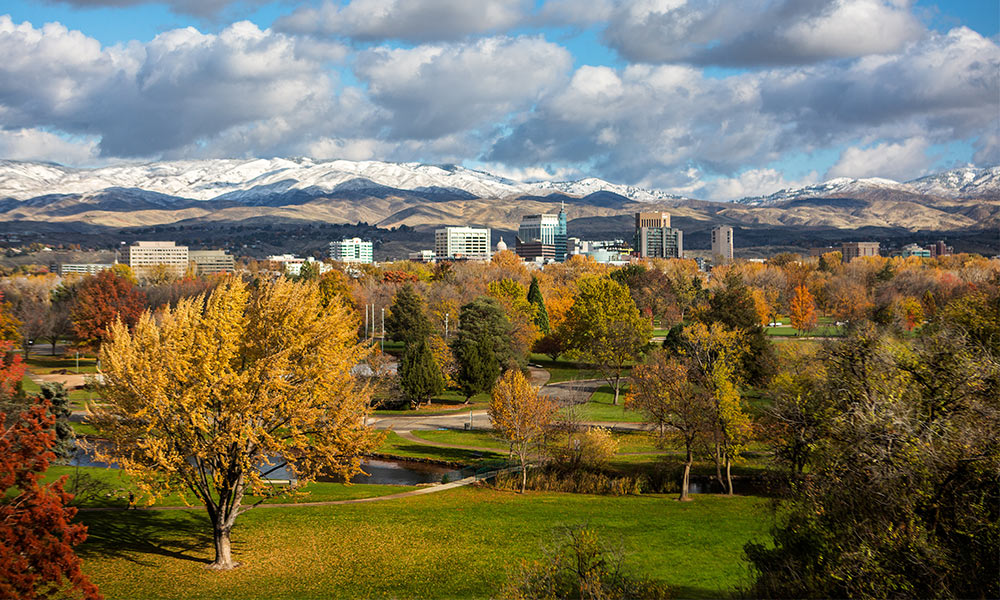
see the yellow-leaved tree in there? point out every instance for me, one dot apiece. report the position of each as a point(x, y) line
point(520, 415)
point(210, 397)
point(802, 309)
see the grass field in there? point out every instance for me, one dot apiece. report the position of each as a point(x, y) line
point(455, 544)
point(564, 370)
point(479, 438)
point(397, 446)
point(41, 364)
point(600, 408)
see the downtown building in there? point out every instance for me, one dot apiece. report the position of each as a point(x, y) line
point(655, 238)
point(354, 251)
point(146, 257)
point(542, 237)
point(851, 250)
point(468, 243)
point(722, 244)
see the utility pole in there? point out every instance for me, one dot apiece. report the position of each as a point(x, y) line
point(383, 329)
point(445, 326)
point(366, 320)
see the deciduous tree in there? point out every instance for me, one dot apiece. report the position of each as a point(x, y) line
point(802, 309)
point(100, 300)
point(211, 396)
point(604, 327)
point(520, 415)
point(668, 392)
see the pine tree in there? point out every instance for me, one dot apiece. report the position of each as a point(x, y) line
point(482, 347)
point(406, 321)
point(58, 399)
point(419, 375)
point(535, 298)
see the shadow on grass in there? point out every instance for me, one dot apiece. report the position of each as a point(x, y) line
point(129, 535)
point(438, 453)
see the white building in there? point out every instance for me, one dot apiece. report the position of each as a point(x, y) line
point(722, 243)
point(145, 256)
point(89, 268)
point(354, 250)
point(212, 262)
point(462, 242)
point(292, 265)
point(422, 256)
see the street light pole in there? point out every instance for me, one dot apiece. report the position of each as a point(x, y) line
point(445, 326)
point(383, 329)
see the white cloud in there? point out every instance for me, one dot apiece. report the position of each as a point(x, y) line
point(409, 20)
point(900, 161)
point(35, 145)
point(759, 32)
point(198, 8)
point(752, 182)
point(436, 90)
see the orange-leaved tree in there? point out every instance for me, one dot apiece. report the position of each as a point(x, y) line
point(802, 309)
point(212, 396)
point(100, 300)
point(520, 415)
point(36, 532)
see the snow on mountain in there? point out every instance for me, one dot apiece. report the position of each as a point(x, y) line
point(250, 181)
point(957, 183)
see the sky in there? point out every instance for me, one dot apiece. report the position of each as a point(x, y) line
point(713, 99)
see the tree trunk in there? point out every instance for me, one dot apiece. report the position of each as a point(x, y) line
point(223, 551)
point(729, 477)
point(718, 466)
point(687, 477)
point(617, 387)
point(524, 474)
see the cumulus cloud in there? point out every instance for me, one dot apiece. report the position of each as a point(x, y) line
point(176, 91)
point(408, 20)
point(900, 161)
point(752, 182)
point(36, 145)
point(759, 32)
point(436, 90)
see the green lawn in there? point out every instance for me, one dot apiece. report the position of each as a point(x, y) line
point(564, 370)
point(600, 407)
point(41, 364)
point(478, 438)
point(455, 544)
point(397, 446)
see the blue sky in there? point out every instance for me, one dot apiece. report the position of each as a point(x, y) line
point(708, 98)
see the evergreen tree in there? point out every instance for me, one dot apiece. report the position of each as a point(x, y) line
point(419, 376)
point(406, 321)
point(65, 442)
point(482, 347)
point(535, 298)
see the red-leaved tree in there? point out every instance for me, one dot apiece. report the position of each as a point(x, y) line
point(36, 535)
point(100, 300)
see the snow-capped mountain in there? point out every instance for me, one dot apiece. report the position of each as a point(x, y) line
point(966, 182)
point(250, 181)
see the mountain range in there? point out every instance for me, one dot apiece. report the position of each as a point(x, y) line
point(424, 196)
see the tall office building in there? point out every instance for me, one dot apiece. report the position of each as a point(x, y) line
point(851, 250)
point(145, 256)
point(655, 238)
point(722, 243)
point(542, 236)
point(462, 242)
point(354, 250)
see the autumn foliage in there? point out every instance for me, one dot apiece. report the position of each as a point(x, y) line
point(100, 301)
point(803, 309)
point(36, 533)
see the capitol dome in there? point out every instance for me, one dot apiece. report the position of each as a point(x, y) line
point(501, 245)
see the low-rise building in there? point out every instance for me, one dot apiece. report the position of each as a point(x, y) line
point(88, 268)
point(422, 256)
point(914, 250)
point(851, 250)
point(212, 262)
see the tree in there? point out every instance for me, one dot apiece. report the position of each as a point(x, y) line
point(733, 306)
point(310, 270)
point(36, 533)
point(482, 346)
point(666, 390)
point(535, 298)
point(715, 353)
point(802, 309)
point(100, 300)
point(902, 498)
point(406, 321)
point(520, 415)
point(211, 396)
point(604, 327)
point(419, 376)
